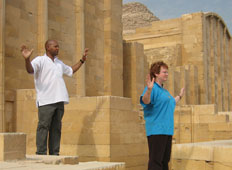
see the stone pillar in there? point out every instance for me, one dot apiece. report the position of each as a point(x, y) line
point(169, 85)
point(229, 75)
point(80, 46)
point(2, 55)
point(133, 71)
point(113, 50)
point(212, 58)
point(225, 70)
point(191, 91)
point(219, 64)
point(183, 82)
point(42, 25)
point(193, 50)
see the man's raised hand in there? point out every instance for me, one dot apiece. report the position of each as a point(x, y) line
point(26, 52)
point(85, 54)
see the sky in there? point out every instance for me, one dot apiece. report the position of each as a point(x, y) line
point(167, 9)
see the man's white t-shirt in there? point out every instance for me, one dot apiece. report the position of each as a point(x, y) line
point(49, 83)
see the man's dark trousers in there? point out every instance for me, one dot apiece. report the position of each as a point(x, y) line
point(159, 151)
point(50, 117)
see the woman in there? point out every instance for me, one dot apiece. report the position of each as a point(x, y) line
point(159, 108)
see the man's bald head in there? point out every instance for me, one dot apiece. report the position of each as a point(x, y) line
point(49, 42)
point(52, 48)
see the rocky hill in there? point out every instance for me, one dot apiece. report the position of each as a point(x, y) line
point(136, 15)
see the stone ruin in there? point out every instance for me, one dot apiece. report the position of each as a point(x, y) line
point(103, 121)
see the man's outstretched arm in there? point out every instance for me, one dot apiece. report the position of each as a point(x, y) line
point(79, 64)
point(26, 54)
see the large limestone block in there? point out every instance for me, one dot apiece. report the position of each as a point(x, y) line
point(222, 166)
point(33, 165)
point(192, 151)
point(133, 74)
point(192, 86)
point(213, 118)
point(224, 127)
point(48, 159)
point(132, 161)
point(216, 154)
point(202, 109)
point(12, 146)
point(200, 132)
point(183, 114)
point(181, 164)
point(226, 113)
point(219, 135)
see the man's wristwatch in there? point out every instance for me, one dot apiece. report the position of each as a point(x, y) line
point(82, 61)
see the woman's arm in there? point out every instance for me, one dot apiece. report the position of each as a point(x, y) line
point(178, 97)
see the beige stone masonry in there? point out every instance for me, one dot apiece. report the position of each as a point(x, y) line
point(113, 48)
point(214, 155)
point(213, 118)
point(102, 128)
point(2, 65)
point(192, 123)
point(12, 146)
point(201, 40)
point(133, 72)
point(55, 160)
point(28, 164)
point(42, 25)
point(191, 91)
point(80, 46)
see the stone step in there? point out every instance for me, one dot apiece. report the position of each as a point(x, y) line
point(27, 165)
point(195, 155)
point(48, 159)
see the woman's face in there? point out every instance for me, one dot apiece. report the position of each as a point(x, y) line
point(163, 75)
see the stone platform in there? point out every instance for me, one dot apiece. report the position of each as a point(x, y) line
point(213, 155)
point(58, 163)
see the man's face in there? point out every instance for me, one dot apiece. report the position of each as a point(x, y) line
point(53, 48)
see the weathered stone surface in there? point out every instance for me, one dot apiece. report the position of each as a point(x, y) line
point(12, 146)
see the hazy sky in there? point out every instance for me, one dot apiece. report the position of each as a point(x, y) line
point(167, 9)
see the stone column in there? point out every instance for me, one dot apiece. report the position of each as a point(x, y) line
point(133, 71)
point(225, 70)
point(193, 49)
point(230, 74)
point(42, 25)
point(2, 55)
point(212, 56)
point(191, 91)
point(113, 48)
point(80, 45)
point(219, 68)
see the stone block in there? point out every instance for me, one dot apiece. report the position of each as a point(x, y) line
point(222, 166)
point(93, 150)
point(204, 118)
point(48, 159)
point(13, 146)
point(223, 126)
point(191, 165)
point(192, 151)
point(201, 132)
point(226, 113)
point(133, 162)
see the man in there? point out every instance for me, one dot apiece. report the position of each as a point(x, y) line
point(51, 92)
